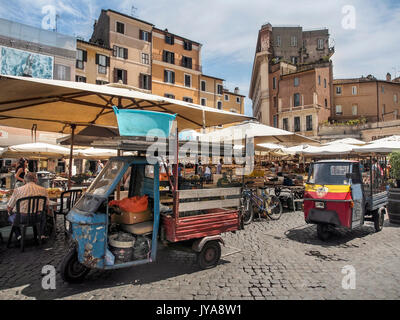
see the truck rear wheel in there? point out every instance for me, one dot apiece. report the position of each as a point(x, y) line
point(379, 218)
point(72, 271)
point(209, 256)
point(323, 232)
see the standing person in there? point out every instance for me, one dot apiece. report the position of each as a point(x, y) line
point(99, 167)
point(207, 173)
point(20, 172)
point(219, 166)
point(30, 189)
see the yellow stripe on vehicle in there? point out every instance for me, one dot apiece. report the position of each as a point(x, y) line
point(331, 188)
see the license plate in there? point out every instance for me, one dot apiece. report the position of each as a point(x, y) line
point(320, 205)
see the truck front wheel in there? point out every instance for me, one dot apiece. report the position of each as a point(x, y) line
point(72, 271)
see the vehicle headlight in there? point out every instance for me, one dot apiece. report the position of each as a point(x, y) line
point(68, 226)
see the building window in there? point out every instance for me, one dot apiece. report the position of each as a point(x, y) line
point(188, 80)
point(326, 103)
point(169, 76)
point(187, 99)
point(293, 60)
point(296, 124)
point(285, 123)
point(309, 125)
point(278, 41)
point(187, 62)
point(145, 58)
point(296, 82)
point(275, 102)
point(219, 89)
point(187, 45)
point(273, 83)
point(319, 80)
point(296, 99)
point(145, 81)
point(237, 99)
point(80, 79)
point(169, 96)
point(219, 105)
point(324, 83)
point(101, 82)
point(383, 89)
point(203, 85)
point(144, 35)
point(121, 75)
point(338, 91)
point(62, 72)
point(293, 41)
point(203, 101)
point(102, 62)
point(354, 110)
point(226, 97)
point(353, 90)
point(120, 52)
point(338, 110)
point(169, 39)
point(320, 45)
point(275, 121)
point(168, 57)
point(120, 27)
point(395, 98)
point(81, 57)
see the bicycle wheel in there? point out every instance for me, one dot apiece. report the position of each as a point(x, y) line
point(248, 212)
point(273, 207)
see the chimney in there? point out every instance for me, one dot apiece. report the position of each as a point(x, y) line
point(236, 91)
point(388, 77)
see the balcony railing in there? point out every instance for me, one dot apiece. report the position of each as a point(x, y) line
point(178, 62)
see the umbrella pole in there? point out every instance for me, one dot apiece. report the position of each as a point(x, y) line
point(73, 126)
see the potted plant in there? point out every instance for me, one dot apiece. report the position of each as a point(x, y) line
point(394, 160)
point(394, 193)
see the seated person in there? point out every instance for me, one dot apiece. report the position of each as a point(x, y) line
point(30, 189)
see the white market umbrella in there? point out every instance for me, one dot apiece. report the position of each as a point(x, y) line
point(38, 150)
point(350, 141)
point(379, 147)
point(332, 149)
point(97, 153)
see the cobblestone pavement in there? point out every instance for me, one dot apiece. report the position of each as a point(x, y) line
point(277, 260)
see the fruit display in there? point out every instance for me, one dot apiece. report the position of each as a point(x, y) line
point(54, 192)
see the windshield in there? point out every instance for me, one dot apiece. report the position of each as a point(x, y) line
point(329, 173)
point(105, 179)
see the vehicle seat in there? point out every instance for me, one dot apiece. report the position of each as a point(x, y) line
point(141, 228)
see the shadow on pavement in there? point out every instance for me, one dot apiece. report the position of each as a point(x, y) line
point(338, 236)
point(23, 271)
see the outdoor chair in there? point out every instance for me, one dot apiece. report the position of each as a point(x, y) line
point(68, 200)
point(34, 218)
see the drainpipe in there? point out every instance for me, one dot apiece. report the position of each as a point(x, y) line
point(377, 101)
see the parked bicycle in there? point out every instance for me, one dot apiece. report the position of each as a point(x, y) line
point(267, 206)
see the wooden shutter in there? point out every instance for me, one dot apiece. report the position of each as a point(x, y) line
point(150, 83)
point(172, 58)
point(124, 76)
point(164, 56)
point(97, 58)
point(165, 76)
point(172, 39)
point(115, 76)
point(141, 82)
point(114, 51)
point(84, 55)
point(141, 35)
point(125, 53)
point(173, 77)
point(108, 61)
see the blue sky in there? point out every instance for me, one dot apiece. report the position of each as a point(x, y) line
point(228, 29)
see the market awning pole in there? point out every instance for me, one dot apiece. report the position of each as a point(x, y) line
point(73, 127)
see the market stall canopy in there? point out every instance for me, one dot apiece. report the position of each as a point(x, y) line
point(37, 150)
point(55, 105)
point(331, 149)
point(86, 137)
point(97, 154)
point(260, 132)
point(271, 146)
point(391, 138)
point(383, 147)
point(296, 149)
point(351, 141)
